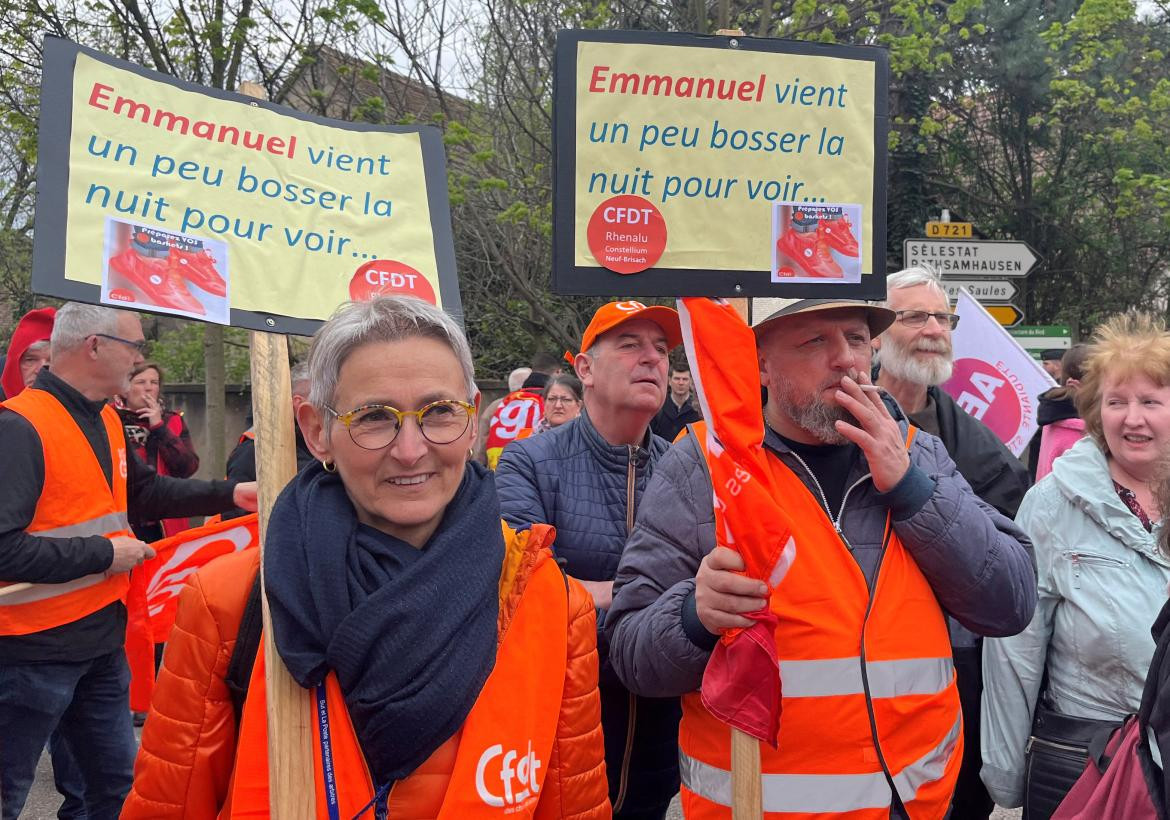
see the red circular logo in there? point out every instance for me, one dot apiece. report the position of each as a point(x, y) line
point(385, 277)
point(988, 395)
point(627, 234)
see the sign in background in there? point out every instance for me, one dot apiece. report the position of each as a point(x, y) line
point(974, 257)
point(954, 230)
point(995, 379)
point(670, 150)
point(170, 197)
point(1038, 338)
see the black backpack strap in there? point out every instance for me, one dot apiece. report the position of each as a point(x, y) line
point(239, 671)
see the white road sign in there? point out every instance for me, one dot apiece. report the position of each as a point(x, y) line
point(958, 257)
point(984, 290)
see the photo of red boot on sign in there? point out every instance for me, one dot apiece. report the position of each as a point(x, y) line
point(165, 272)
point(816, 243)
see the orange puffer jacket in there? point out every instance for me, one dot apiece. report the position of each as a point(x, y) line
point(185, 762)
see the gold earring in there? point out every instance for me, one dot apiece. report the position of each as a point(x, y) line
point(470, 453)
point(328, 466)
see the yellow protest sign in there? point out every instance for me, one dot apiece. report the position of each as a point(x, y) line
point(164, 196)
point(718, 166)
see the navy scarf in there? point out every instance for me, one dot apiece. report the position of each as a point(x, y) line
point(411, 634)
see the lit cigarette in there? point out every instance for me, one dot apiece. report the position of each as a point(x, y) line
point(872, 388)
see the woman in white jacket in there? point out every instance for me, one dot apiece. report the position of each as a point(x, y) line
point(1081, 663)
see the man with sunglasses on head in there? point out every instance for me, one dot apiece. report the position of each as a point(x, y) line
point(66, 551)
point(914, 356)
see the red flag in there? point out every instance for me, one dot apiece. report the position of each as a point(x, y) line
point(741, 685)
point(179, 556)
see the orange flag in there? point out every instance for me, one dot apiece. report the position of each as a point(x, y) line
point(153, 597)
point(180, 555)
point(741, 685)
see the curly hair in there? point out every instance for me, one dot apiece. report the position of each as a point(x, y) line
point(1130, 344)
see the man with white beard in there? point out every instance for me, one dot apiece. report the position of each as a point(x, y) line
point(913, 357)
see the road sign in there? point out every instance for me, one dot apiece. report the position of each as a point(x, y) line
point(1025, 331)
point(984, 290)
point(1035, 338)
point(1006, 315)
point(981, 257)
point(951, 230)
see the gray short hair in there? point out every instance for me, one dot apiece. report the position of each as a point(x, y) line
point(517, 378)
point(75, 322)
point(43, 344)
point(384, 319)
point(913, 277)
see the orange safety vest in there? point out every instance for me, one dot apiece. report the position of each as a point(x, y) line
point(504, 746)
point(868, 688)
point(517, 411)
point(75, 500)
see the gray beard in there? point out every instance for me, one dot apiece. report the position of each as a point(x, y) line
point(814, 416)
point(903, 364)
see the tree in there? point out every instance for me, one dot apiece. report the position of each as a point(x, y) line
point(1051, 129)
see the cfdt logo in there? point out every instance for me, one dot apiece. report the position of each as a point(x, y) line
point(507, 779)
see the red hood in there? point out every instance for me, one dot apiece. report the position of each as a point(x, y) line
point(35, 326)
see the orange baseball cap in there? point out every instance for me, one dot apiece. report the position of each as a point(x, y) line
point(611, 315)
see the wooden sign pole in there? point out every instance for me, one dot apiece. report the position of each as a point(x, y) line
point(290, 731)
point(747, 798)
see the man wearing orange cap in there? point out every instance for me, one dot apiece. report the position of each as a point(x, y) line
point(586, 478)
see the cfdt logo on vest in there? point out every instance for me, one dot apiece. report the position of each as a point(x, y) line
point(505, 779)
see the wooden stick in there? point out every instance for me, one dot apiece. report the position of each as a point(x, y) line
point(747, 799)
point(290, 729)
point(290, 732)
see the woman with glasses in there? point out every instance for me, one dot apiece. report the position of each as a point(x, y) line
point(453, 667)
point(562, 401)
point(1079, 667)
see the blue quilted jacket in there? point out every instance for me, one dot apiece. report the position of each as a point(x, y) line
point(584, 486)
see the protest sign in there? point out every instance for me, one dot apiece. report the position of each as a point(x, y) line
point(718, 166)
point(994, 379)
point(160, 195)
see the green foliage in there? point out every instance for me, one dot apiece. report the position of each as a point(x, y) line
point(179, 351)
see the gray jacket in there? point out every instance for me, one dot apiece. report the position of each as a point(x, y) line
point(1102, 583)
point(976, 560)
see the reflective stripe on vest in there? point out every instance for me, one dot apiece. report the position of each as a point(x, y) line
point(887, 679)
point(504, 746)
point(828, 793)
point(76, 500)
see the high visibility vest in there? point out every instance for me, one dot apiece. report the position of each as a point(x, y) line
point(504, 746)
point(517, 411)
point(76, 500)
point(869, 698)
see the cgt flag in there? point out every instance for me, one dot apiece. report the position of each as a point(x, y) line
point(153, 597)
point(177, 557)
point(741, 685)
point(995, 380)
